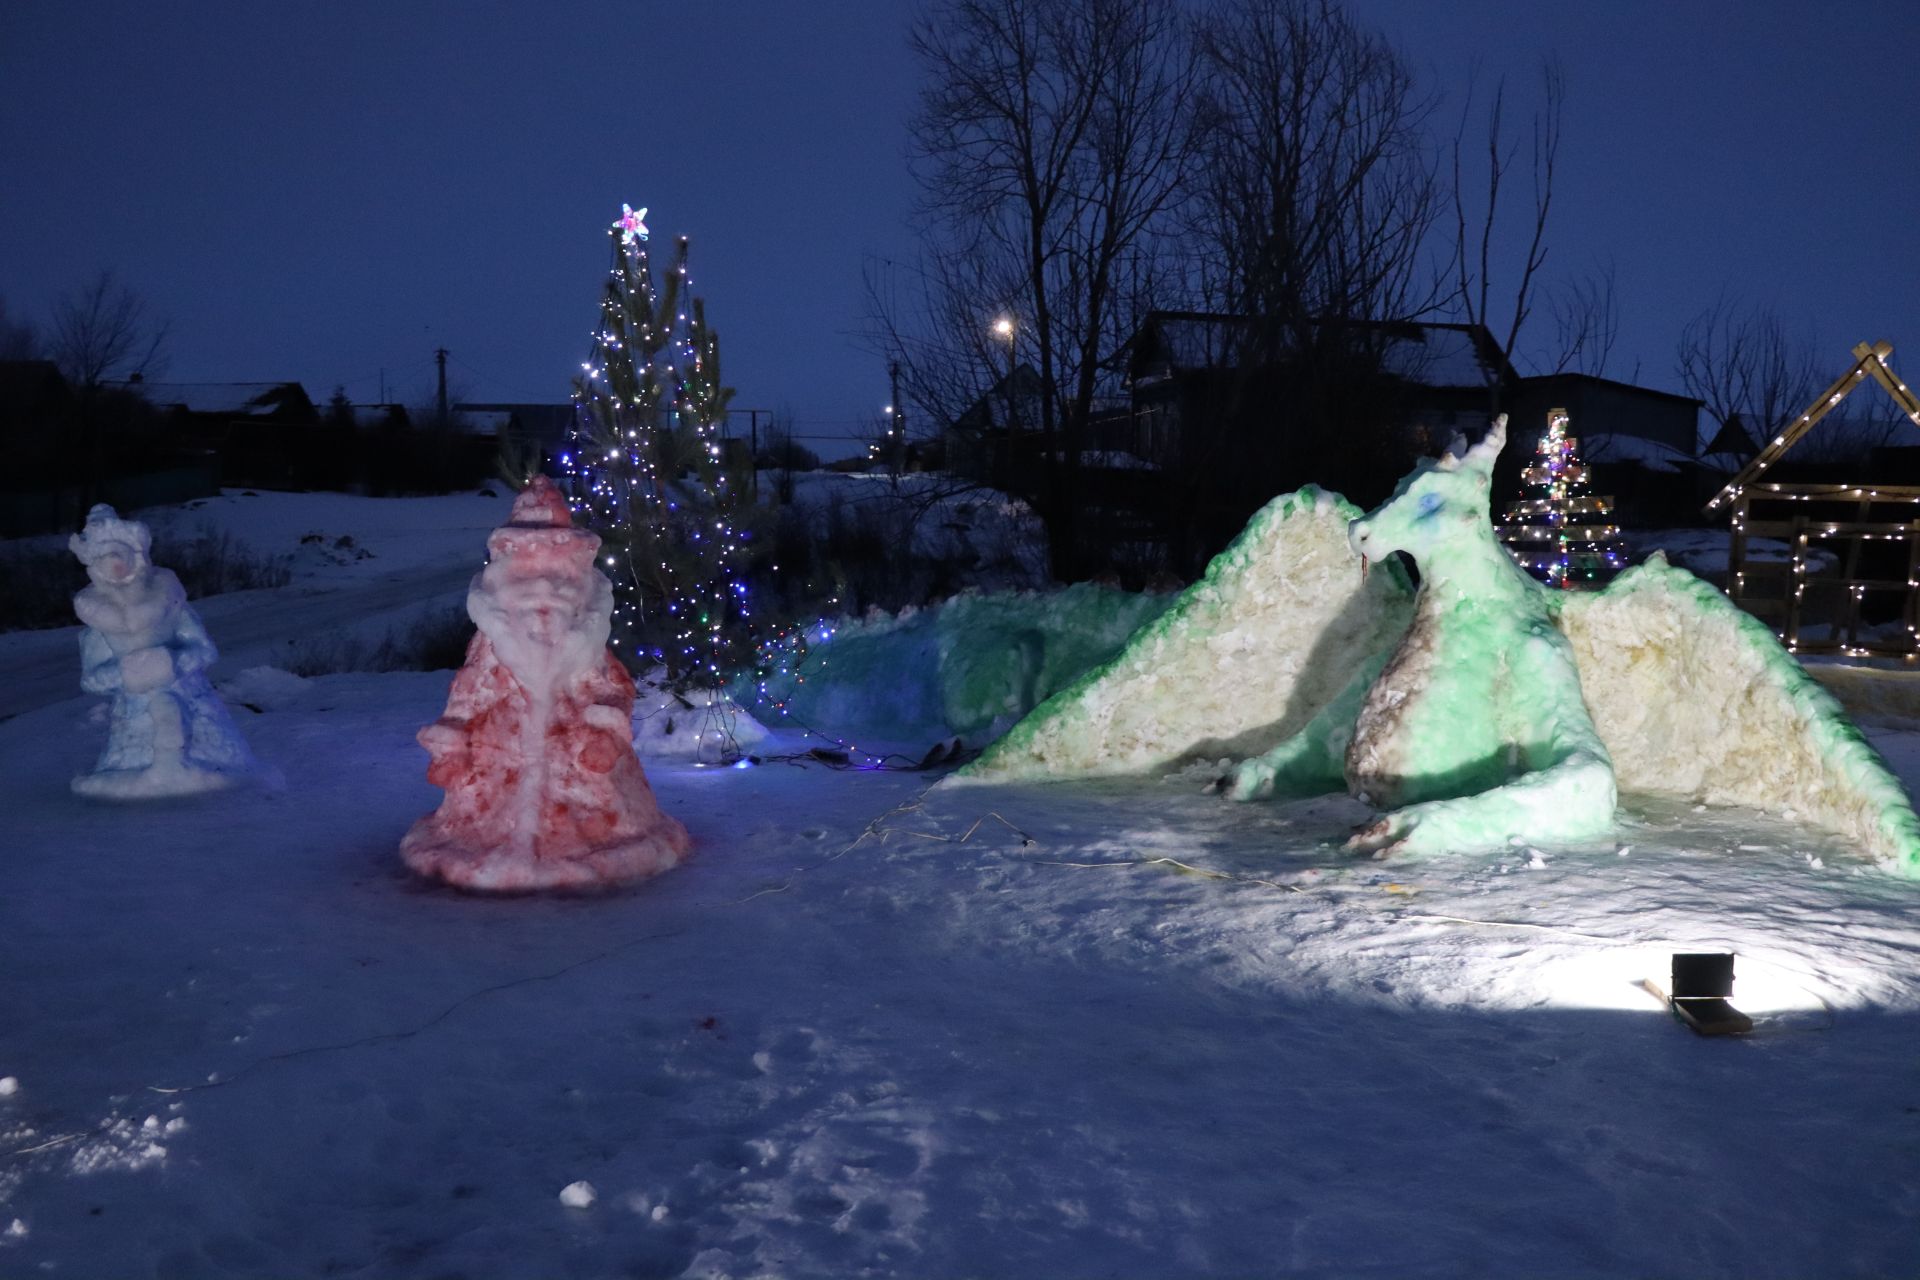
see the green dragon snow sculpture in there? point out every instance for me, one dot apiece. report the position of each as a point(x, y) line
point(1481, 709)
point(1476, 729)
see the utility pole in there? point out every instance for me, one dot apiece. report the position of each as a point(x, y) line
point(753, 443)
point(897, 426)
point(440, 358)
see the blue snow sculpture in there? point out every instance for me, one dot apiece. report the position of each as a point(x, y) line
point(145, 647)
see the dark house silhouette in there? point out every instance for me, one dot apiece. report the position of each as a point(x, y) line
point(1226, 412)
point(997, 439)
point(1181, 368)
point(70, 448)
point(264, 434)
point(536, 433)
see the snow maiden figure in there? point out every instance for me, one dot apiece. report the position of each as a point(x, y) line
point(535, 749)
point(170, 733)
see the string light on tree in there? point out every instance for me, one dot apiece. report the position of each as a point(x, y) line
point(1561, 534)
point(646, 469)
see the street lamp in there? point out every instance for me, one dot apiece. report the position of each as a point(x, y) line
point(1006, 328)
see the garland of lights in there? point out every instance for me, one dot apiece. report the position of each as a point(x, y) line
point(1562, 534)
point(644, 468)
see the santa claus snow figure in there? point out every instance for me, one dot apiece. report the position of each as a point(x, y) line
point(535, 749)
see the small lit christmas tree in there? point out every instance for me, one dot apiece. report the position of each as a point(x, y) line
point(1561, 534)
point(645, 470)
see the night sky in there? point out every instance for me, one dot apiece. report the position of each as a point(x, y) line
point(323, 191)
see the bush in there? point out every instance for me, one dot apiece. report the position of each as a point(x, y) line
point(210, 564)
point(37, 583)
point(434, 641)
point(38, 578)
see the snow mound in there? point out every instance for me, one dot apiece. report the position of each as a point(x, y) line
point(1876, 695)
point(698, 724)
point(265, 689)
point(968, 666)
point(1696, 699)
point(1244, 658)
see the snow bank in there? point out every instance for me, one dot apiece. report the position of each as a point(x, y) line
point(967, 666)
point(1244, 658)
point(931, 516)
point(1696, 699)
point(704, 725)
point(1876, 694)
point(326, 533)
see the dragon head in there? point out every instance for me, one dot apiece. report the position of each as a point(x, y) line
point(1440, 503)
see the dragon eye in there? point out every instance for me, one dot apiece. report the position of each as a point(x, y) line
point(1429, 503)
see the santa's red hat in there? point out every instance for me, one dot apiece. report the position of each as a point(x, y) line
point(541, 523)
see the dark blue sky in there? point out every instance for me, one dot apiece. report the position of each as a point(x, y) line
point(320, 191)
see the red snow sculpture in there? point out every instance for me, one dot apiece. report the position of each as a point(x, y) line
point(535, 749)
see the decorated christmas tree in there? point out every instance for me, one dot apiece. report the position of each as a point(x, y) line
point(645, 469)
point(1560, 533)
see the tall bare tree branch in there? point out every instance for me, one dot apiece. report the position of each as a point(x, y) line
point(1475, 270)
point(105, 331)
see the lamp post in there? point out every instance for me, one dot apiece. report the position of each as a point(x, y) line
point(1006, 328)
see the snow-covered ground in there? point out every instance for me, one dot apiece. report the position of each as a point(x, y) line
point(878, 1026)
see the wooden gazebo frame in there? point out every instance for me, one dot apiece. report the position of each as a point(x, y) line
point(1844, 516)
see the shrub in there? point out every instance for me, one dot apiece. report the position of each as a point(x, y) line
point(37, 583)
point(433, 641)
point(38, 577)
point(210, 564)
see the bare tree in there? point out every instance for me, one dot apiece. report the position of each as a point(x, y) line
point(1316, 191)
point(1314, 197)
point(1586, 321)
point(1049, 142)
point(1741, 362)
point(105, 331)
point(1474, 257)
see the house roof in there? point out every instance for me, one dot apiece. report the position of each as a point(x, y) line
point(1618, 446)
point(234, 399)
point(546, 422)
point(1442, 355)
point(1733, 440)
point(1434, 354)
point(1569, 378)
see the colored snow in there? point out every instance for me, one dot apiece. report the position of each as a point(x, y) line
point(1250, 653)
point(968, 666)
point(535, 748)
point(168, 733)
point(1698, 700)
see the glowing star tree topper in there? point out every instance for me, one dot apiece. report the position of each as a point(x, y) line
point(632, 225)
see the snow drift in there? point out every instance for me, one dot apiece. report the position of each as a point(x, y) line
point(972, 664)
